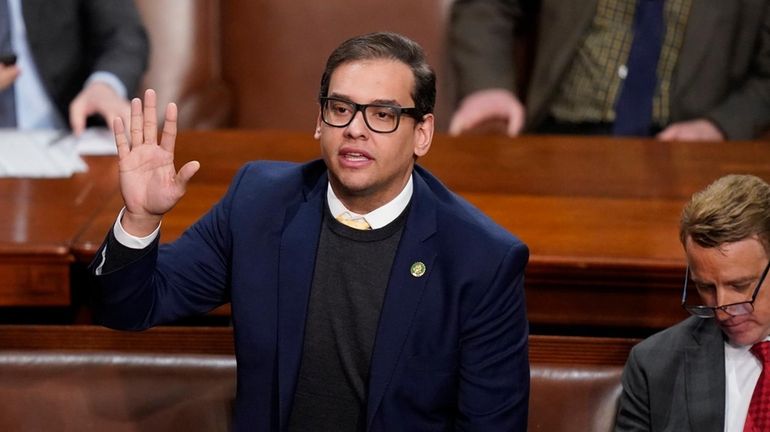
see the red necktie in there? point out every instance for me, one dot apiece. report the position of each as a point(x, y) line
point(758, 418)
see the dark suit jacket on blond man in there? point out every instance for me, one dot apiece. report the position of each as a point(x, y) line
point(675, 381)
point(722, 73)
point(450, 351)
point(70, 39)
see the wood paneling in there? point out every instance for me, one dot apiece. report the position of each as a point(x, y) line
point(274, 52)
point(568, 350)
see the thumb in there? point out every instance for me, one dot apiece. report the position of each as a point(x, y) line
point(187, 171)
point(515, 123)
point(455, 125)
point(667, 134)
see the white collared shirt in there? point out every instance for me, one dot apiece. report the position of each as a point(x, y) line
point(379, 217)
point(742, 369)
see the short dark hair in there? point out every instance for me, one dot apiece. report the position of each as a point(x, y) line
point(393, 46)
point(732, 208)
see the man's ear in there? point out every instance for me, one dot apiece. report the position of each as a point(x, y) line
point(317, 134)
point(423, 135)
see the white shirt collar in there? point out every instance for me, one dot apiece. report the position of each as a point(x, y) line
point(379, 217)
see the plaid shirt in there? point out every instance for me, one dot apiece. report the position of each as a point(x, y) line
point(592, 83)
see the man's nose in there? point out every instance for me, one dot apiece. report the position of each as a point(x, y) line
point(724, 296)
point(357, 125)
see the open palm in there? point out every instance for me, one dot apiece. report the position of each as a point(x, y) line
point(149, 183)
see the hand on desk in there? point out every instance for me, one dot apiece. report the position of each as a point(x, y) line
point(693, 130)
point(488, 105)
point(97, 98)
point(149, 182)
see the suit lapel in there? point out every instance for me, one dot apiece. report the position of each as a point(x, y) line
point(296, 263)
point(705, 378)
point(32, 10)
point(575, 21)
point(404, 292)
point(704, 15)
point(34, 13)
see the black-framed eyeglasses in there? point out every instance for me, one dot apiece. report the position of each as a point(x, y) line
point(732, 309)
point(379, 118)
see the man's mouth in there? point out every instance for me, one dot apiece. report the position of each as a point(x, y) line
point(355, 157)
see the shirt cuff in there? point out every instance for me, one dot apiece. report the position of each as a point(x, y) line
point(110, 79)
point(129, 240)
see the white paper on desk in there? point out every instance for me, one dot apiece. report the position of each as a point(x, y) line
point(95, 142)
point(38, 154)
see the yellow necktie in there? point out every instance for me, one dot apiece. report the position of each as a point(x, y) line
point(359, 224)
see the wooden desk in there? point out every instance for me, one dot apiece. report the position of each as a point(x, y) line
point(554, 350)
point(600, 215)
point(38, 223)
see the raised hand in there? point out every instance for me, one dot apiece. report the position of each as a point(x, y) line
point(149, 182)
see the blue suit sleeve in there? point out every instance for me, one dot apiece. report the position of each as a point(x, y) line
point(187, 277)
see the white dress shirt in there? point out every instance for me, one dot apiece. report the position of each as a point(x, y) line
point(377, 218)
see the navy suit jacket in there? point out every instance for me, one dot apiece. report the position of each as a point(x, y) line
point(451, 346)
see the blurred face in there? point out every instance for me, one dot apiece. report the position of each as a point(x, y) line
point(728, 274)
point(367, 169)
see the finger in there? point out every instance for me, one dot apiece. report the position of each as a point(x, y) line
point(515, 122)
point(474, 117)
point(123, 113)
point(668, 134)
point(135, 125)
point(77, 116)
point(456, 125)
point(169, 128)
point(467, 119)
point(120, 137)
point(186, 172)
point(150, 117)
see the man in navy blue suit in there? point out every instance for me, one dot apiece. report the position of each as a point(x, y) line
point(365, 295)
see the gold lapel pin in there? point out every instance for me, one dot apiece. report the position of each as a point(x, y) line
point(418, 269)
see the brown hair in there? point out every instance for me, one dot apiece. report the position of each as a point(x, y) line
point(732, 208)
point(393, 46)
